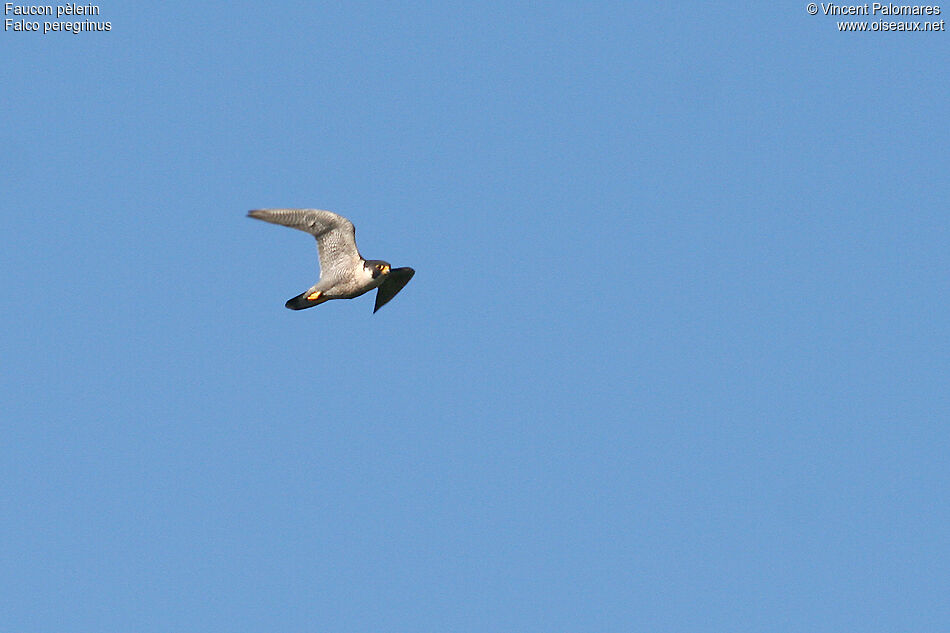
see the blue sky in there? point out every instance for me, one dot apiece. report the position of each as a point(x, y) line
point(675, 357)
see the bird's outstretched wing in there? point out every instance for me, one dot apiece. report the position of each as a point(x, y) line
point(336, 236)
point(396, 280)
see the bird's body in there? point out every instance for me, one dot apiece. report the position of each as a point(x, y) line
point(344, 274)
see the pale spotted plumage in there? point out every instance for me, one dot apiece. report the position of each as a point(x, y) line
point(344, 274)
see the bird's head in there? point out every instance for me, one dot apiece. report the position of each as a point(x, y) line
point(377, 268)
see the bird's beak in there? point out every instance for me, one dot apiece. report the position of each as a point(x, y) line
point(385, 270)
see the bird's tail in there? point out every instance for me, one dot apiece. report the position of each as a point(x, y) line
point(306, 300)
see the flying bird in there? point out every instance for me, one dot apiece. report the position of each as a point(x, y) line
point(344, 274)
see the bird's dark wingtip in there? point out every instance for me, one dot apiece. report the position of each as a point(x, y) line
point(395, 281)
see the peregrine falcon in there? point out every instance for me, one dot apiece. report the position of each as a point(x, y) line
point(344, 274)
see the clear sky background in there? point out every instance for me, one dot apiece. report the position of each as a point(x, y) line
point(676, 356)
